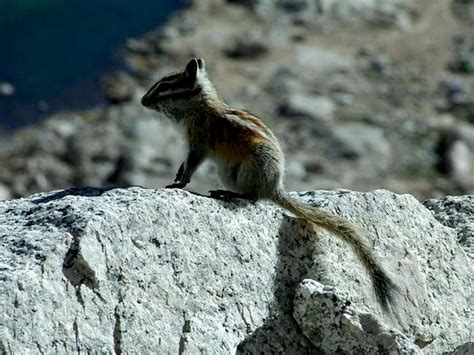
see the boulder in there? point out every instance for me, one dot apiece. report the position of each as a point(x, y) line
point(314, 107)
point(317, 62)
point(456, 212)
point(118, 87)
point(367, 145)
point(138, 270)
point(322, 313)
point(355, 12)
point(4, 193)
point(463, 10)
point(246, 49)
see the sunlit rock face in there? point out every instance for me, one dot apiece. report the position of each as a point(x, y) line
point(167, 271)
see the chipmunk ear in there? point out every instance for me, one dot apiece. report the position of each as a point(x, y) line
point(201, 63)
point(192, 68)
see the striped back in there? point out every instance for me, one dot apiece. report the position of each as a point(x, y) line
point(177, 85)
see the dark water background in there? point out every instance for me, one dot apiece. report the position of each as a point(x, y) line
point(55, 50)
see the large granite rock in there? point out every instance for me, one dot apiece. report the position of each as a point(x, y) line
point(323, 313)
point(166, 271)
point(456, 212)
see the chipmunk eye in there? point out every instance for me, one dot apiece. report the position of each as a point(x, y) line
point(163, 87)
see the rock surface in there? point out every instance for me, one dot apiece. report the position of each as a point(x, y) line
point(4, 193)
point(456, 212)
point(317, 108)
point(166, 271)
point(323, 313)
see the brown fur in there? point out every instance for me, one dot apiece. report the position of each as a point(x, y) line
point(230, 139)
point(248, 117)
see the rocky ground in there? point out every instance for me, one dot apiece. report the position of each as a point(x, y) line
point(362, 95)
point(136, 270)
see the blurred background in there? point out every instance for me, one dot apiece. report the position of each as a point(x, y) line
point(363, 94)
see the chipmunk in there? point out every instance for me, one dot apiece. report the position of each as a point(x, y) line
point(249, 159)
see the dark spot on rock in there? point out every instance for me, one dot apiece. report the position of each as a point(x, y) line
point(246, 49)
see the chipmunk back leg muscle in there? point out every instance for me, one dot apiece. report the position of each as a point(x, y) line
point(248, 156)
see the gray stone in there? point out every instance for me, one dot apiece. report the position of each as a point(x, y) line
point(354, 12)
point(464, 10)
point(295, 5)
point(139, 46)
point(315, 62)
point(455, 150)
point(315, 107)
point(4, 193)
point(284, 81)
point(456, 212)
point(385, 13)
point(324, 315)
point(118, 87)
point(381, 64)
point(362, 142)
point(166, 271)
point(96, 148)
point(246, 49)
point(295, 170)
point(465, 349)
point(6, 89)
point(460, 159)
point(458, 98)
point(464, 63)
point(465, 132)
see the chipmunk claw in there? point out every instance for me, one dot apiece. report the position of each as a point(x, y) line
point(224, 194)
point(179, 174)
point(176, 185)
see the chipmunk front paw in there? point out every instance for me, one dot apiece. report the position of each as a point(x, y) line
point(224, 194)
point(176, 185)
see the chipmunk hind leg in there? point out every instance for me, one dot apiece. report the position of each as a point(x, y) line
point(261, 174)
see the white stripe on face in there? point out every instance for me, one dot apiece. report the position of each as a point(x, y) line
point(177, 84)
point(180, 83)
point(172, 92)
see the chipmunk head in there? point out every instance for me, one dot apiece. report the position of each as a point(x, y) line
point(175, 92)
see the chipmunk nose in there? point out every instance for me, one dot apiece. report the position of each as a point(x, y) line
point(145, 100)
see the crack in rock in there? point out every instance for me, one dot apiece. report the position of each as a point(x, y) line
point(183, 340)
point(117, 332)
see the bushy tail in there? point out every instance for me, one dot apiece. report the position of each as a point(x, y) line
point(384, 287)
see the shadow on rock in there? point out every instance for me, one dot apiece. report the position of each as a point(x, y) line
point(74, 191)
point(297, 243)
